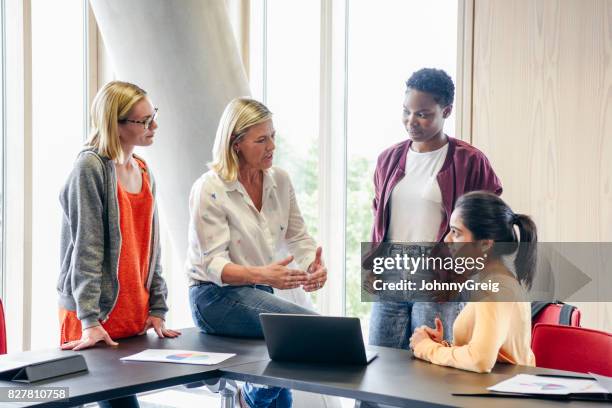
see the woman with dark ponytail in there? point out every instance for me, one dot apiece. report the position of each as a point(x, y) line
point(493, 329)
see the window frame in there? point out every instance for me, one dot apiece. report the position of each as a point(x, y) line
point(333, 119)
point(17, 120)
point(332, 151)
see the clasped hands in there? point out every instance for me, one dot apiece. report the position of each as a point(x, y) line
point(424, 332)
point(279, 276)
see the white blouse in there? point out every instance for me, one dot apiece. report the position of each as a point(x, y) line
point(225, 226)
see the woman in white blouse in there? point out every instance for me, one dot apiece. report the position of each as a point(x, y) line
point(243, 214)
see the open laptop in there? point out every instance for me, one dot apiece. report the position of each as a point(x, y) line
point(314, 339)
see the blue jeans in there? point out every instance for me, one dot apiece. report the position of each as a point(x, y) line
point(234, 311)
point(392, 323)
point(264, 397)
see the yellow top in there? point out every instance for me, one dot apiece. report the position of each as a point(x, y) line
point(487, 331)
point(483, 333)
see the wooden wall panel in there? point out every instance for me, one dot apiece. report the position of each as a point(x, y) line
point(542, 112)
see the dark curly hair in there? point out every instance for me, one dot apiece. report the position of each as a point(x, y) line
point(435, 82)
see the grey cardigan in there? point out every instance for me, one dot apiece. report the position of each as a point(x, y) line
point(91, 242)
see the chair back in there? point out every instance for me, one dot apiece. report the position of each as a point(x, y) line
point(572, 348)
point(2, 330)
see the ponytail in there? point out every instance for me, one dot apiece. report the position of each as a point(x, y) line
point(525, 261)
point(488, 217)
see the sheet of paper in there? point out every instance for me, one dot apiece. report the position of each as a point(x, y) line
point(179, 356)
point(533, 384)
point(604, 381)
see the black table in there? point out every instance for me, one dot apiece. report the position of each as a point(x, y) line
point(109, 377)
point(394, 378)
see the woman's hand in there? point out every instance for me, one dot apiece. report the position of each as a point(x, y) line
point(436, 334)
point(418, 336)
point(318, 261)
point(424, 332)
point(157, 323)
point(279, 276)
point(317, 273)
point(89, 338)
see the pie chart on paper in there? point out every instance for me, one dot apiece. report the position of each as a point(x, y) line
point(179, 356)
point(187, 357)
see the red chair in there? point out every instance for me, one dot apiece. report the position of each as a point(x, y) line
point(2, 330)
point(572, 348)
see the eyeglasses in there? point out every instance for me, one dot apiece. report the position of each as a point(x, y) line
point(146, 123)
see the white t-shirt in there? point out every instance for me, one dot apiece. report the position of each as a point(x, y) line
point(416, 201)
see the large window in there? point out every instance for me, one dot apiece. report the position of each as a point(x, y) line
point(58, 122)
point(387, 41)
point(369, 49)
point(289, 85)
point(312, 62)
point(292, 85)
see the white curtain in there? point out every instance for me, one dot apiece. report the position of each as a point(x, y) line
point(183, 53)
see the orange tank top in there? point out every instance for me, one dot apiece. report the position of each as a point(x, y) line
point(132, 307)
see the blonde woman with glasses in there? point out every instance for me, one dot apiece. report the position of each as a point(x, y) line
point(110, 284)
point(245, 231)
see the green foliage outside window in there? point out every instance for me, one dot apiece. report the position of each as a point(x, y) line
point(304, 172)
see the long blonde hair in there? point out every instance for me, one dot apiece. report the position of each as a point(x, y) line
point(239, 115)
point(112, 103)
